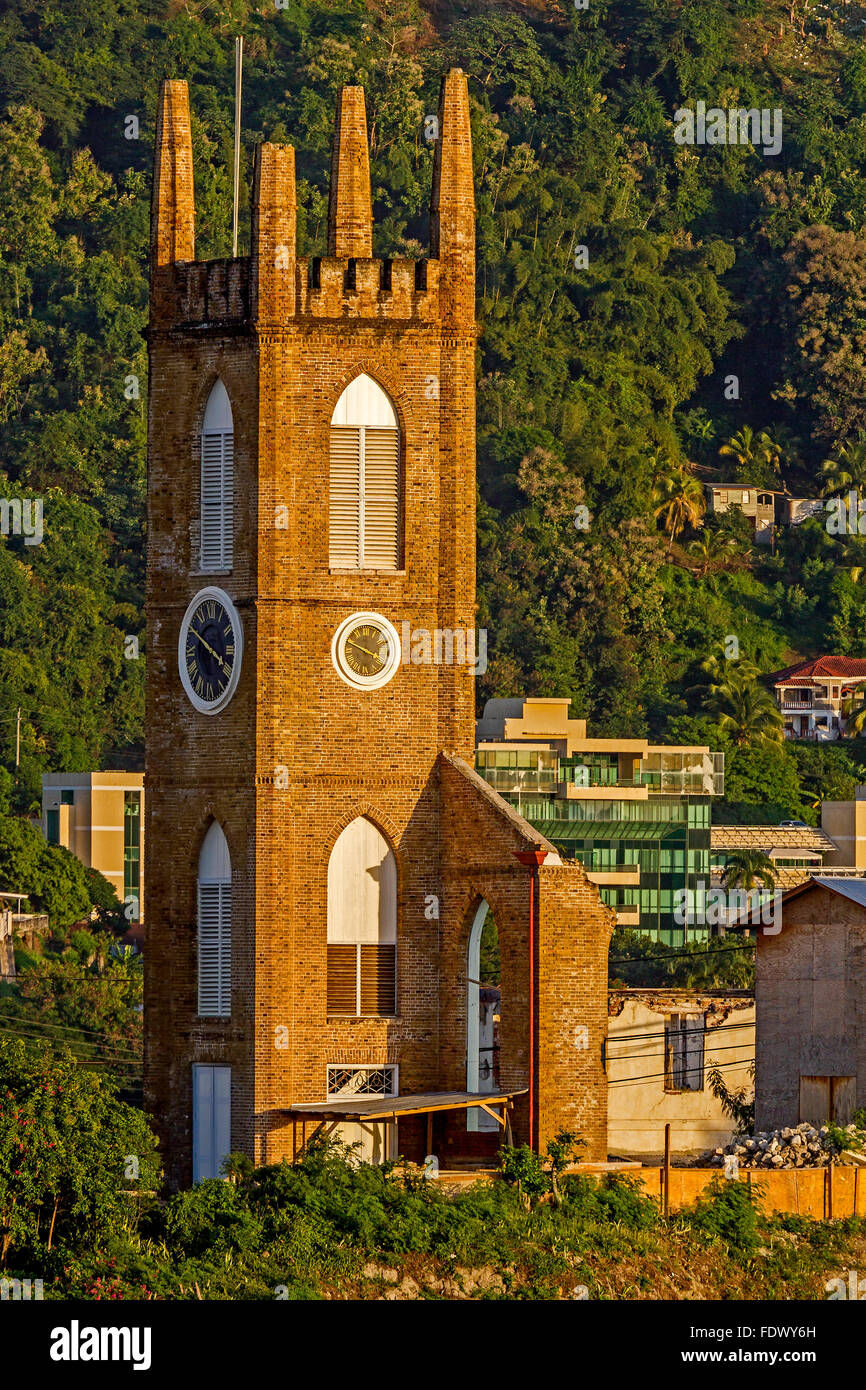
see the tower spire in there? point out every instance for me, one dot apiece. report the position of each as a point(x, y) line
point(452, 204)
point(275, 236)
point(350, 215)
point(172, 236)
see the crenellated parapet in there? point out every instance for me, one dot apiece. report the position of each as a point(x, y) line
point(273, 286)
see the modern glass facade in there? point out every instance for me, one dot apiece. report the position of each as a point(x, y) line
point(663, 839)
point(132, 845)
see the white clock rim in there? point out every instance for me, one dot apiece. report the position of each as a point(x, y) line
point(392, 665)
point(214, 706)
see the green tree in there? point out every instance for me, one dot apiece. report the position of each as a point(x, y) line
point(65, 1144)
point(679, 502)
point(746, 712)
point(846, 469)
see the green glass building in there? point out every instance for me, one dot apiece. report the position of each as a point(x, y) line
point(636, 815)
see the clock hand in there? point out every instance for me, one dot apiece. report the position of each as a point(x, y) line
point(210, 649)
point(365, 650)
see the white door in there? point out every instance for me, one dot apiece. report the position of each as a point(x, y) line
point(211, 1120)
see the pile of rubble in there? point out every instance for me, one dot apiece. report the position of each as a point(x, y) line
point(804, 1146)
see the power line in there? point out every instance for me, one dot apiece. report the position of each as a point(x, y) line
point(130, 1058)
point(679, 955)
point(65, 1027)
point(656, 1075)
point(732, 1047)
point(662, 1032)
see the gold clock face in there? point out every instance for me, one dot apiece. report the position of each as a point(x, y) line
point(366, 649)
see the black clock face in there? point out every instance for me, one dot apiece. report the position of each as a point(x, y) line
point(209, 650)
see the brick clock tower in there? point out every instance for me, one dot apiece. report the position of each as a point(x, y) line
point(321, 857)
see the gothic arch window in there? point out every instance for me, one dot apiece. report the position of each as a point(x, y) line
point(364, 530)
point(217, 483)
point(483, 1011)
point(214, 925)
point(362, 923)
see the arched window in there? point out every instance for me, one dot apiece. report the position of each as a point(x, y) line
point(483, 1007)
point(362, 923)
point(214, 925)
point(365, 480)
point(217, 483)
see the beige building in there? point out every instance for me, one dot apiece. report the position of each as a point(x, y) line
point(661, 1046)
point(845, 823)
point(99, 817)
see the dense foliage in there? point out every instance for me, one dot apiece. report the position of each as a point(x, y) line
point(624, 280)
point(72, 1157)
point(326, 1227)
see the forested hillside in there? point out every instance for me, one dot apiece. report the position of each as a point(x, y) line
point(624, 280)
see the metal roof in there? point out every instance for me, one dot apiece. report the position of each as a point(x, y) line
point(390, 1107)
point(771, 838)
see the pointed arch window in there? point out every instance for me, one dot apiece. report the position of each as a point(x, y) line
point(362, 923)
point(365, 480)
point(217, 483)
point(214, 925)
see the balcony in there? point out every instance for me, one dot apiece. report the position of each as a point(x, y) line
point(623, 876)
point(627, 916)
point(520, 779)
point(806, 706)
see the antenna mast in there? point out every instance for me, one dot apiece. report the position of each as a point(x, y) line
point(239, 57)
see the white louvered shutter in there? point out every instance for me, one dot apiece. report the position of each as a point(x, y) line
point(217, 500)
point(214, 949)
point(345, 498)
point(381, 499)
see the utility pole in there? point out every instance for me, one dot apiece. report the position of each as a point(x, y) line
point(239, 57)
point(18, 738)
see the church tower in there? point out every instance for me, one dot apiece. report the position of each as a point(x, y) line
point(315, 841)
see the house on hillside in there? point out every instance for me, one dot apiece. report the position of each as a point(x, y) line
point(811, 695)
point(766, 507)
point(810, 997)
point(757, 503)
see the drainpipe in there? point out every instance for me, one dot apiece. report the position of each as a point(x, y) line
point(531, 859)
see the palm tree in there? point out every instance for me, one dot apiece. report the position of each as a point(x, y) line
point(749, 868)
point(723, 671)
point(770, 451)
point(747, 712)
point(847, 471)
point(712, 550)
point(751, 450)
point(854, 713)
point(679, 501)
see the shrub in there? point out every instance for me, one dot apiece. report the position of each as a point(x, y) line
point(212, 1215)
point(728, 1210)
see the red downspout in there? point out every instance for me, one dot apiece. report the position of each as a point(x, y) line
point(531, 859)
